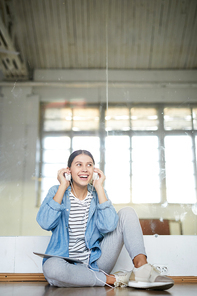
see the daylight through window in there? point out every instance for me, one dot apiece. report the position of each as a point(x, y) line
point(148, 153)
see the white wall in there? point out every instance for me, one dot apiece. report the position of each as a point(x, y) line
point(19, 122)
point(177, 253)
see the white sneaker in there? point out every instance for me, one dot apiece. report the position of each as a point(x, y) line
point(148, 277)
point(122, 278)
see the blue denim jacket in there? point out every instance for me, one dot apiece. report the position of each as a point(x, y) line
point(54, 217)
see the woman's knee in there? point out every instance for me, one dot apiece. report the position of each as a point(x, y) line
point(128, 215)
point(127, 211)
point(52, 267)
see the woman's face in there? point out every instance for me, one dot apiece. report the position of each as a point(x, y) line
point(82, 169)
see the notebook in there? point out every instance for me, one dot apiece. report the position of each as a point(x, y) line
point(70, 260)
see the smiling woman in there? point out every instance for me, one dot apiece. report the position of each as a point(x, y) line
point(84, 225)
point(78, 83)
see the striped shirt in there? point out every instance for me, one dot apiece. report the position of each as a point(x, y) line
point(78, 218)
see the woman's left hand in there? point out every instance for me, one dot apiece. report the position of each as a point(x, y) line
point(100, 180)
point(98, 185)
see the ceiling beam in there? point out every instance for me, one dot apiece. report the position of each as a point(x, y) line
point(95, 84)
point(10, 61)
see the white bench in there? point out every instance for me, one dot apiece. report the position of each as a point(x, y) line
point(177, 253)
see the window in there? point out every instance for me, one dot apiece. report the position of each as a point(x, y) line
point(117, 168)
point(85, 119)
point(88, 143)
point(57, 119)
point(140, 149)
point(179, 155)
point(179, 163)
point(145, 119)
point(55, 152)
point(117, 119)
point(177, 119)
point(145, 170)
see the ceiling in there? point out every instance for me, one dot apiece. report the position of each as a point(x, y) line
point(95, 34)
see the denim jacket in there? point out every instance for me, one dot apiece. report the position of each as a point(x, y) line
point(55, 217)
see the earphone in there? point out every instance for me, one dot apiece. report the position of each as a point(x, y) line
point(95, 176)
point(68, 177)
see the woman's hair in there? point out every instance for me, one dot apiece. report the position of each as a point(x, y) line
point(76, 153)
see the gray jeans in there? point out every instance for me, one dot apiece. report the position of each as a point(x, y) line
point(60, 273)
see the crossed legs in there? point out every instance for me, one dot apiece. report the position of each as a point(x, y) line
point(60, 273)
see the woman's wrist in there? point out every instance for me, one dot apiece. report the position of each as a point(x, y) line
point(60, 193)
point(63, 186)
point(99, 188)
point(101, 194)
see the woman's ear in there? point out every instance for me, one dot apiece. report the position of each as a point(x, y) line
point(69, 170)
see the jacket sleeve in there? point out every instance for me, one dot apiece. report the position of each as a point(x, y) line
point(107, 217)
point(50, 211)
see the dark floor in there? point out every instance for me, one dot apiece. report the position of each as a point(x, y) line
point(43, 289)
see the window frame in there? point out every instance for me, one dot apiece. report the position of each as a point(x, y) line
point(102, 133)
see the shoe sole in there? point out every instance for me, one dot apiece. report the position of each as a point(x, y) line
point(152, 286)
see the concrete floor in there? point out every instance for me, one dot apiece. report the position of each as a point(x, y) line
point(43, 289)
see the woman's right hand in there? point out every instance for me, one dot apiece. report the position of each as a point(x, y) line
point(61, 176)
point(63, 184)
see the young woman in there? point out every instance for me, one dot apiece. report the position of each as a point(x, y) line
point(86, 227)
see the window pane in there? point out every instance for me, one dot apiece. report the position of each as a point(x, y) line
point(117, 119)
point(46, 184)
point(177, 118)
point(56, 150)
point(150, 154)
point(117, 148)
point(57, 125)
point(55, 153)
point(117, 168)
point(55, 156)
point(57, 119)
point(145, 189)
point(180, 181)
point(117, 194)
point(144, 119)
point(92, 144)
point(180, 194)
point(145, 170)
point(56, 143)
point(58, 113)
point(85, 119)
point(178, 148)
point(50, 170)
point(150, 141)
